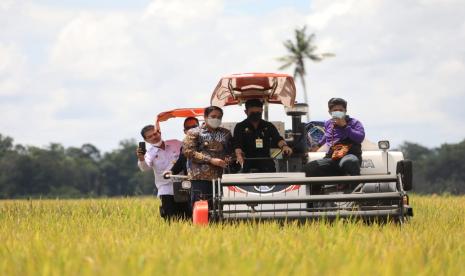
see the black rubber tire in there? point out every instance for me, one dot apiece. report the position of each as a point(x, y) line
point(385, 187)
point(405, 168)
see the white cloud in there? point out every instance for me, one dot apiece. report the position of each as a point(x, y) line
point(396, 62)
point(6, 4)
point(94, 76)
point(94, 46)
point(178, 13)
point(12, 69)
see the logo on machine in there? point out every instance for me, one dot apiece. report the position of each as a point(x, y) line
point(263, 189)
point(368, 163)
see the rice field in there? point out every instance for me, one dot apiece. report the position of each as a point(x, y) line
point(127, 237)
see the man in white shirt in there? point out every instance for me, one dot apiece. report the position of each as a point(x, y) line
point(160, 157)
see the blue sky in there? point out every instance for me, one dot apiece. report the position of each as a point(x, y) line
point(96, 71)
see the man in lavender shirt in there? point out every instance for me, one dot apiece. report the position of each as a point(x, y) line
point(340, 129)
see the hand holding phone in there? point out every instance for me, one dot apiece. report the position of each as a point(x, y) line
point(140, 151)
point(142, 147)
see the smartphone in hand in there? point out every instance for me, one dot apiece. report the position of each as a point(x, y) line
point(142, 147)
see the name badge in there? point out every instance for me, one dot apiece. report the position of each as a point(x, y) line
point(259, 143)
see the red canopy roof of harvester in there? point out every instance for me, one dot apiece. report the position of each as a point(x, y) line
point(270, 87)
point(178, 113)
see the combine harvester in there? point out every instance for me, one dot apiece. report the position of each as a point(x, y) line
point(378, 194)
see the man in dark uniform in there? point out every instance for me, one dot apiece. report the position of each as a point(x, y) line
point(254, 137)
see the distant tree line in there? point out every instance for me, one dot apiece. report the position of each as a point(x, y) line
point(439, 170)
point(56, 171)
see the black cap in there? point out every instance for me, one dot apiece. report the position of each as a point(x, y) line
point(253, 103)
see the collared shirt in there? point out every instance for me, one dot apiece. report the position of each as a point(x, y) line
point(200, 145)
point(353, 132)
point(245, 138)
point(161, 160)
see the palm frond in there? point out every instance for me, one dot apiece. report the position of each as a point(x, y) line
point(327, 55)
point(286, 61)
point(285, 66)
point(301, 48)
point(314, 57)
point(290, 46)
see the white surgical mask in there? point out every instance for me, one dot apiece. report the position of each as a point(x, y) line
point(338, 114)
point(158, 144)
point(213, 122)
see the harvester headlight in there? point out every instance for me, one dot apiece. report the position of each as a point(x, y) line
point(299, 109)
point(384, 145)
point(186, 185)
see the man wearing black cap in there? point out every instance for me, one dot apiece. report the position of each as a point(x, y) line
point(254, 137)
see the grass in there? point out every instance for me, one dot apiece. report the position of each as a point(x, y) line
point(127, 237)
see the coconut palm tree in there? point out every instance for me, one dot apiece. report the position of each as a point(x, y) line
point(299, 50)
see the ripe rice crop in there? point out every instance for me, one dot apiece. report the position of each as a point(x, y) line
point(126, 237)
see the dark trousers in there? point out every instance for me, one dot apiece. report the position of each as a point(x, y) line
point(348, 165)
point(170, 209)
point(201, 190)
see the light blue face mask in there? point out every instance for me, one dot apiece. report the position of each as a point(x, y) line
point(338, 114)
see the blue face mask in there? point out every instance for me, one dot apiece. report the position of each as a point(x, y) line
point(338, 114)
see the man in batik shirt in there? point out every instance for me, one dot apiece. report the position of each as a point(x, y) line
point(208, 150)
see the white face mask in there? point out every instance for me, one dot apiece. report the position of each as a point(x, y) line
point(213, 123)
point(338, 114)
point(158, 144)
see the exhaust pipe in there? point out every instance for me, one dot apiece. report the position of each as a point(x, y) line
point(298, 135)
